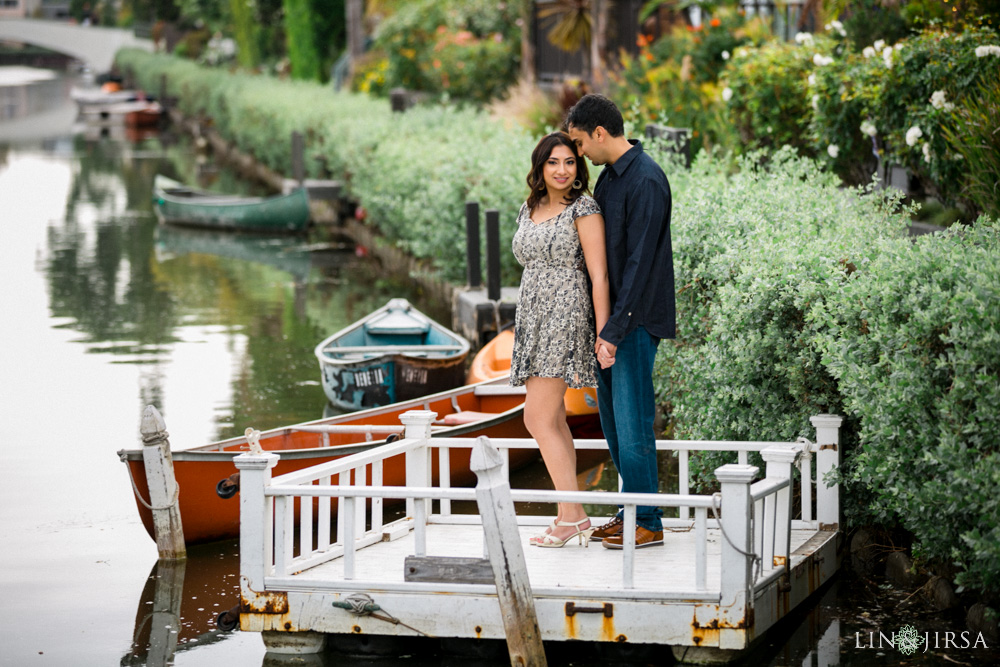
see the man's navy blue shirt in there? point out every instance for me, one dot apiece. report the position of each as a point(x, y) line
point(634, 196)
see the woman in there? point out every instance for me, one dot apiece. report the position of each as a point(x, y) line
point(560, 242)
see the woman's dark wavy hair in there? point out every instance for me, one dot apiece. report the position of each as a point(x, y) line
point(538, 158)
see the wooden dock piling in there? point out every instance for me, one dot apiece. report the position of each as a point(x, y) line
point(162, 486)
point(517, 605)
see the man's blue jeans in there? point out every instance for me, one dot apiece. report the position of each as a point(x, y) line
point(627, 403)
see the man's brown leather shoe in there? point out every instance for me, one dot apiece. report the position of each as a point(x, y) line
point(613, 527)
point(643, 538)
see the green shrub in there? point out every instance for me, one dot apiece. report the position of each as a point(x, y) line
point(469, 50)
point(770, 103)
point(913, 340)
point(974, 133)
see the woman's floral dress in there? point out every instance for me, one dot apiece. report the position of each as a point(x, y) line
point(554, 330)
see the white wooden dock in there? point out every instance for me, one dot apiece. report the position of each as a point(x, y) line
point(715, 586)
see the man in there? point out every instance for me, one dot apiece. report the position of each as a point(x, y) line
point(634, 196)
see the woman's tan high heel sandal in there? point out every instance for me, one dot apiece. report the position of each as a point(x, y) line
point(547, 540)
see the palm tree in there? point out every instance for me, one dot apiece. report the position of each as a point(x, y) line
point(580, 24)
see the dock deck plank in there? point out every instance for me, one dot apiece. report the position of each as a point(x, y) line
point(666, 569)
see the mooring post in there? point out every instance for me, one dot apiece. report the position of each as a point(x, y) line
point(163, 491)
point(737, 552)
point(472, 249)
point(503, 542)
point(827, 459)
point(298, 157)
point(493, 255)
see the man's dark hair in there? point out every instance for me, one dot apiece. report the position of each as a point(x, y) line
point(593, 111)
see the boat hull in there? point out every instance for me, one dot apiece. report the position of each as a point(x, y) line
point(493, 361)
point(206, 517)
point(388, 379)
point(395, 353)
point(175, 204)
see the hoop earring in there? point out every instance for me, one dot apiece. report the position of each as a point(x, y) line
point(541, 188)
point(577, 184)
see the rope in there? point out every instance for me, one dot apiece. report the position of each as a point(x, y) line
point(756, 560)
point(362, 604)
point(173, 501)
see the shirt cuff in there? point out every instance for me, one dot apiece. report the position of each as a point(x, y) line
point(612, 333)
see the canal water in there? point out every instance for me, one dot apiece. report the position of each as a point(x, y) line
point(105, 312)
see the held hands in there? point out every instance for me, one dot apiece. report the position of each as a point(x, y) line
point(605, 353)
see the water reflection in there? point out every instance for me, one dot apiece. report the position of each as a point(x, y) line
point(138, 291)
point(181, 602)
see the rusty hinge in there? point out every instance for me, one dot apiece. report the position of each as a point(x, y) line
point(607, 609)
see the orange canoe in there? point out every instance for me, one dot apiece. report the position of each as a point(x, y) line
point(489, 408)
point(493, 361)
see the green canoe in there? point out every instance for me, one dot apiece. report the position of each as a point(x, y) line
point(178, 204)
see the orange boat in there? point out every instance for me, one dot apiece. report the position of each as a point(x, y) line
point(493, 361)
point(490, 408)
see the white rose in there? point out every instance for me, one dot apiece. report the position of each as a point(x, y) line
point(879, 45)
point(815, 102)
point(820, 60)
point(727, 94)
point(988, 50)
point(803, 38)
point(725, 55)
point(868, 127)
point(913, 135)
point(833, 150)
point(938, 99)
point(887, 56)
point(926, 148)
point(812, 79)
point(868, 52)
point(839, 27)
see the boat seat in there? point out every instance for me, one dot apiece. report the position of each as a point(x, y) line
point(466, 417)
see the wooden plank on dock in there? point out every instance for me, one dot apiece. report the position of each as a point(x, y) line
point(448, 569)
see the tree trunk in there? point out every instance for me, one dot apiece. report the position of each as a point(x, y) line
point(599, 44)
point(355, 32)
point(527, 41)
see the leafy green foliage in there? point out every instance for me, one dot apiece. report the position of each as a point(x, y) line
point(974, 133)
point(468, 50)
point(913, 340)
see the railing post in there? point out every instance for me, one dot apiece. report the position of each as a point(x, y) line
point(779, 466)
point(163, 491)
point(517, 605)
point(827, 459)
point(735, 601)
point(417, 426)
point(256, 519)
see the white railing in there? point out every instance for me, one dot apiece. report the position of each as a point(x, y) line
point(755, 517)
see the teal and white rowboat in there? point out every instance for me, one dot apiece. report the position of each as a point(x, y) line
point(179, 204)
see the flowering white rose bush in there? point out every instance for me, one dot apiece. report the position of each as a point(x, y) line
point(987, 50)
point(804, 38)
point(821, 61)
point(926, 150)
point(868, 128)
point(727, 94)
point(913, 135)
point(868, 52)
point(939, 100)
point(833, 150)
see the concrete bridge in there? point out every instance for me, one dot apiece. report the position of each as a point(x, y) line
point(95, 46)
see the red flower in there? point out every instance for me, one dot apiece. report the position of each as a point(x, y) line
point(715, 23)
